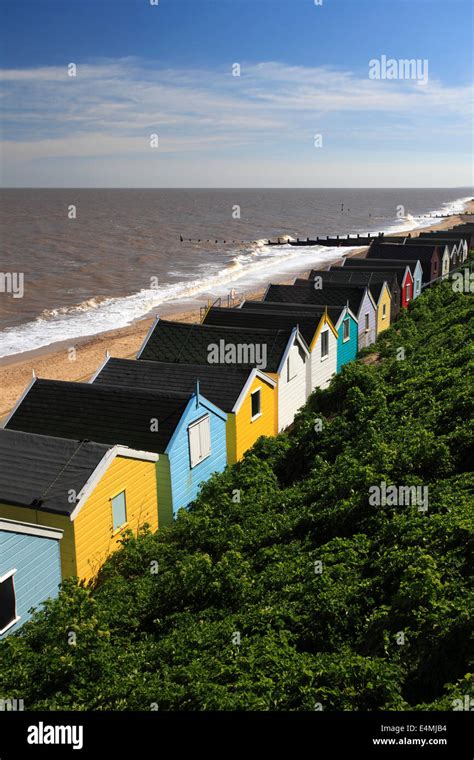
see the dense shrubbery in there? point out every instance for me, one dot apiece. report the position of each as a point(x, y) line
point(247, 568)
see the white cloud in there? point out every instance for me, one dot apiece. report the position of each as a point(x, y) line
point(272, 110)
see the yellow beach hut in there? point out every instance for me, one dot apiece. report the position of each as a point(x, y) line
point(91, 492)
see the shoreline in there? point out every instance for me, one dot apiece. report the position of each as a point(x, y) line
point(57, 362)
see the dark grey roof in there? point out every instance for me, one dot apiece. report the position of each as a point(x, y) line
point(443, 235)
point(387, 267)
point(40, 471)
point(393, 250)
point(220, 385)
point(373, 280)
point(450, 242)
point(269, 319)
point(190, 343)
point(101, 413)
point(332, 295)
point(294, 308)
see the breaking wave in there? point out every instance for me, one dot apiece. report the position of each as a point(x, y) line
point(250, 265)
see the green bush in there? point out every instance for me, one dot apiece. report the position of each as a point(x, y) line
point(283, 587)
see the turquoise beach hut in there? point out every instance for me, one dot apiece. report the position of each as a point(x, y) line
point(342, 318)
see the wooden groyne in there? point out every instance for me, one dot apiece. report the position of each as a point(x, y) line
point(338, 240)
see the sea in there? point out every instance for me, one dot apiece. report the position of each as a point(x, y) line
point(93, 260)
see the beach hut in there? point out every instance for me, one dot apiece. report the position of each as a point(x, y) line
point(428, 256)
point(408, 274)
point(316, 329)
point(77, 496)
point(402, 270)
point(461, 235)
point(281, 354)
point(30, 570)
point(455, 249)
point(341, 316)
point(248, 396)
point(185, 429)
point(377, 283)
point(357, 298)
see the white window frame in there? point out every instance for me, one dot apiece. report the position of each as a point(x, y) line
point(254, 417)
point(384, 311)
point(408, 291)
point(4, 578)
point(345, 322)
point(193, 461)
point(289, 368)
point(326, 355)
point(122, 525)
point(367, 321)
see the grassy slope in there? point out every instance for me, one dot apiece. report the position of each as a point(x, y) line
point(231, 568)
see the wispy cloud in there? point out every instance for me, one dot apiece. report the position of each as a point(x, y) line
point(110, 109)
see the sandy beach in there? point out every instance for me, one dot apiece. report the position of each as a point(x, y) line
point(59, 362)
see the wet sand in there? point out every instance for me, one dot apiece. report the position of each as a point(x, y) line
point(59, 362)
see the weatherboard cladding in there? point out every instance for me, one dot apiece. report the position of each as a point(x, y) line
point(292, 393)
point(311, 326)
point(38, 570)
point(102, 413)
point(38, 468)
point(346, 349)
point(219, 383)
point(190, 343)
point(186, 480)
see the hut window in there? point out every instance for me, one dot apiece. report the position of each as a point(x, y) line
point(346, 330)
point(408, 291)
point(199, 434)
point(256, 404)
point(384, 311)
point(290, 368)
point(367, 323)
point(8, 616)
point(324, 344)
point(119, 511)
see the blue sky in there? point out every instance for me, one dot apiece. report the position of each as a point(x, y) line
point(167, 70)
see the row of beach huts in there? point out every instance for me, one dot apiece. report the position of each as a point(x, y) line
point(82, 463)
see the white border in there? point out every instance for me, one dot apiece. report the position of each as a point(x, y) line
point(17, 617)
point(30, 529)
